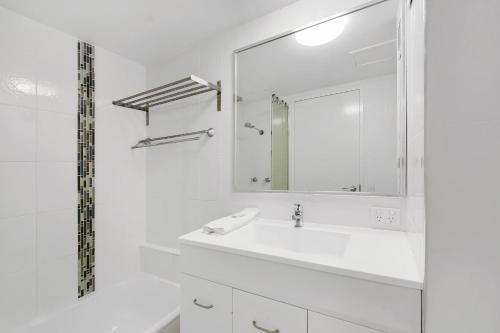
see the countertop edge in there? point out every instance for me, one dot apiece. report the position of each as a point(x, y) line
point(388, 280)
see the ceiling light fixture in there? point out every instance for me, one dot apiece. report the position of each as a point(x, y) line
point(321, 33)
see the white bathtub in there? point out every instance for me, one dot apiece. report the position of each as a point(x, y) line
point(144, 304)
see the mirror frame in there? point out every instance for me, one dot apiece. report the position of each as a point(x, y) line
point(402, 111)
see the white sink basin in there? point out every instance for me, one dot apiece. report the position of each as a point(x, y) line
point(304, 240)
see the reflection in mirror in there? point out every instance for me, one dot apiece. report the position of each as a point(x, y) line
point(322, 109)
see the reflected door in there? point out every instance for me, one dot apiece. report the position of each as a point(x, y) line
point(327, 143)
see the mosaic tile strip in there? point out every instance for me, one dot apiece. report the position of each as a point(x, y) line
point(86, 169)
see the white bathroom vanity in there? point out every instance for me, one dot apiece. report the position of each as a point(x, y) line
point(272, 277)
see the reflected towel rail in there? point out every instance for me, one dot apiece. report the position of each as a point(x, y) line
point(165, 140)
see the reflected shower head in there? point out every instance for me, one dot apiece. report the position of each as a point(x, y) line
point(250, 125)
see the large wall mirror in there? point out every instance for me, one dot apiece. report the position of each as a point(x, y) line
point(322, 109)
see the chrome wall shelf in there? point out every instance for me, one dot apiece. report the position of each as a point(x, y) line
point(170, 92)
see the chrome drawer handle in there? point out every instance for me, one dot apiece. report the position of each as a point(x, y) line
point(263, 329)
point(195, 302)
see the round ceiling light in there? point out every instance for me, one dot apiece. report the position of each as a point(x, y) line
point(321, 33)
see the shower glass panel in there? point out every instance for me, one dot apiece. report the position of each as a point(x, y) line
point(279, 139)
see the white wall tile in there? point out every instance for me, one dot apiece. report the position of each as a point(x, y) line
point(191, 175)
point(18, 303)
point(192, 219)
point(18, 189)
point(18, 133)
point(163, 212)
point(57, 75)
point(57, 283)
point(167, 174)
point(120, 171)
point(57, 136)
point(17, 68)
point(211, 210)
point(17, 244)
point(210, 176)
point(117, 77)
point(160, 263)
point(57, 234)
point(56, 185)
point(118, 250)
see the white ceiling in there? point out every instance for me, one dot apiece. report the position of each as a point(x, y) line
point(285, 67)
point(147, 31)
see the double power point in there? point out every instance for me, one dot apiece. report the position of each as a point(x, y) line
point(386, 218)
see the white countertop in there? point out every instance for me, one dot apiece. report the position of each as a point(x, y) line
point(377, 255)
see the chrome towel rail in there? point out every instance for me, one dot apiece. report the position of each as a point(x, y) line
point(170, 92)
point(165, 140)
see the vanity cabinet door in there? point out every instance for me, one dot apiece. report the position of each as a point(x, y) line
point(319, 323)
point(205, 306)
point(256, 314)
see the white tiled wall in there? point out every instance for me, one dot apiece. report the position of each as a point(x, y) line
point(191, 183)
point(120, 171)
point(37, 169)
point(38, 173)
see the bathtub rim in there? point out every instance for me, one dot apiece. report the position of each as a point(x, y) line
point(168, 319)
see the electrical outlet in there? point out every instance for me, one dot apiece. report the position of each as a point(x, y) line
point(386, 218)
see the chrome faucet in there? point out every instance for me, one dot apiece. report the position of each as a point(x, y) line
point(298, 216)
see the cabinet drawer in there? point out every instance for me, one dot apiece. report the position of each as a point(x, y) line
point(319, 323)
point(255, 314)
point(205, 306)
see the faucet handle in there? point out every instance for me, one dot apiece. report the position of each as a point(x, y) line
point(298, 216)
point(298, 207)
